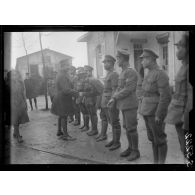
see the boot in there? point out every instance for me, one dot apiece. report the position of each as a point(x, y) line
point(135, 154)
point(162, 153)
point(83, 122)
point(94, 130)
point(102, 136)
point(86, 123)
point(116, 143)
point(109, 144)
point(129, 149)
point(71, 119)
point(66, 136)
point(155, 153)
point(59, 132)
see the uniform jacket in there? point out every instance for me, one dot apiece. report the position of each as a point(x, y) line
point(31, 88)
point(62, 103)
point(125, 94)
point(110, 86)
point(157, 96)
point(90, 92)
point(182, 98)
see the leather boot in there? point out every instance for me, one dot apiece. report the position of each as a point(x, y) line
point(129, 149)
point(59, 132)
point(65, 135)
point(135, 154)
point(116, 143)
point(102, 136)
point(155, 153)
point(86, 123)
point(94, 130)
point(162, 153)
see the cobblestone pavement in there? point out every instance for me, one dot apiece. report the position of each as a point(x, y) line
point(41, 145)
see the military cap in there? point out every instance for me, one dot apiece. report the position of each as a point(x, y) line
point(88, 68)
point(183, 41)
point(148, 52)
point(109, 58)
point(80, 70)
point(124, 52)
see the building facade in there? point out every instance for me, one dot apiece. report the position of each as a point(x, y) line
point(162, 42)
point(33, 62)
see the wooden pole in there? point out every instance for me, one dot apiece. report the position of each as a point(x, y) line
point(44, 71)
point(26, 53)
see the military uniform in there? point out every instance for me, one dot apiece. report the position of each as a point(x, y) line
point(127, 102)
point(109, 114)
point(156, 99)
point(178, 108)
point(90, 98)
point(80, 99)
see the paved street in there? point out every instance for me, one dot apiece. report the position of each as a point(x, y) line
point(41, 145)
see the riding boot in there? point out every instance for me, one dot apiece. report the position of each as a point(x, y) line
point(155, 153)
point(162, 153)
point(66, 136)
point(102, 136)
point(86, 123)
point(94, 131)
point(129, 149)
point(135, 154)
point(116, 143)
point(109, 144)
point(59, 132)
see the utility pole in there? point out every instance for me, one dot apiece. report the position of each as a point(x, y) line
point(44, 71)
point(24, 45)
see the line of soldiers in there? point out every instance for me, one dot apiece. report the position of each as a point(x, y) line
point(129, 93)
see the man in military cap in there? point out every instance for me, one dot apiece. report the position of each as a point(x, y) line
point(109, 114)
point(62, 102)
point(90, 96)
point(81, 74)
point(181, 103)
point(127, 102)
point(156, 98)
point(76, 114)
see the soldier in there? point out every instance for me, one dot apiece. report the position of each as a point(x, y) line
point(51, 86)
point(109, 114)
point(90, 94)
point(181, 103)
point(75, 104)
point(127, 102)
point(62, 102)
point(31, 92)
point(156, 99)
point(81, 100)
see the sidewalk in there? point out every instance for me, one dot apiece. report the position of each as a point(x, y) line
point(41, 145)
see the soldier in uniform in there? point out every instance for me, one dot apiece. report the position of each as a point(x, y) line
point(127, 102)
point(109, 114)
point(75, 104)
point(81, 74)
point(181, 103)
point(156, 99)
point(90, 98)
point(62, 102)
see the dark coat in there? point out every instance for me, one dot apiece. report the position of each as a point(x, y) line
point(31, 88)
point(62, 102)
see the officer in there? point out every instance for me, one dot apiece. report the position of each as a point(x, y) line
point(62, 102)
point(127, 102)
point(156, 99)
point(109, 114)
point(75, 104)
point(90, 98)
point(81, 74)
point(181, 103)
